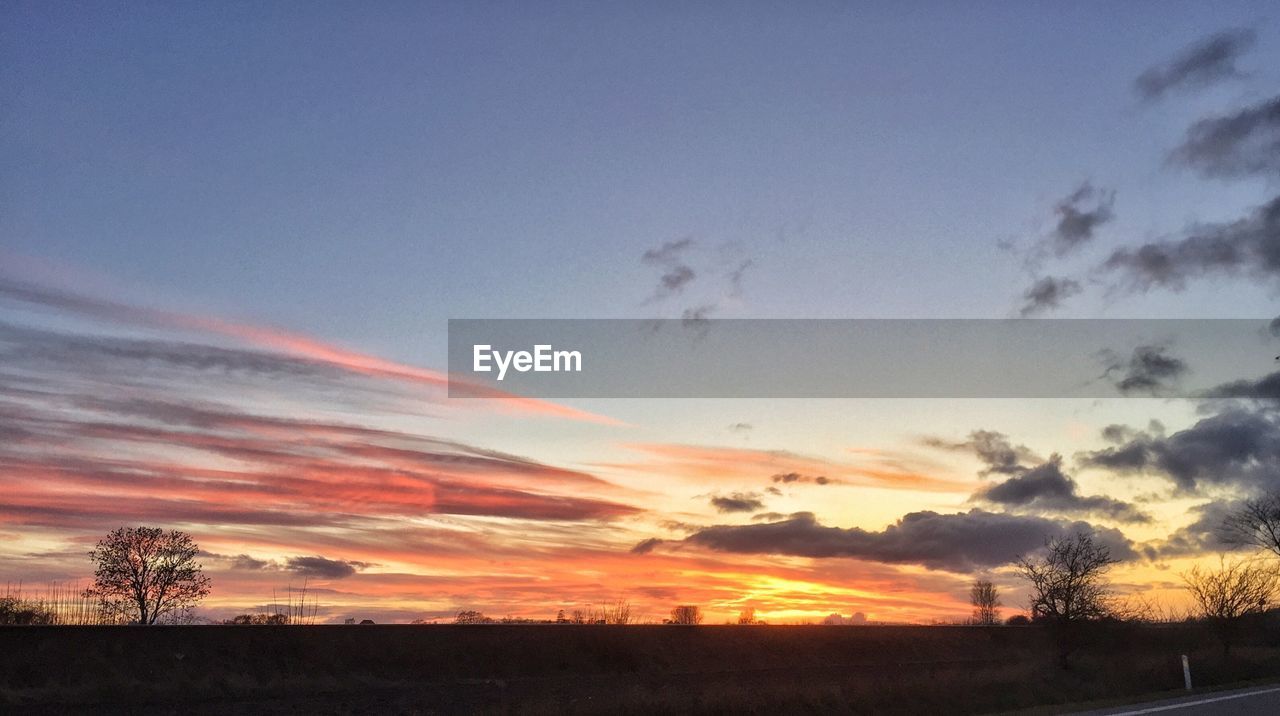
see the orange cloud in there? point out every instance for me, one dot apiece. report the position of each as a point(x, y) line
point(708, 463)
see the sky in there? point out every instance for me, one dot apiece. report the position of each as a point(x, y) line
point(232, 234)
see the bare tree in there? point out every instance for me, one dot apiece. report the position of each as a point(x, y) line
point(985, 599)
point(471, 616)
point(1069, 581)
point(619, 612)
point(1228, 594)
point(144, 574)
point(686, 614)
point(1256, 523)
point(748, 616)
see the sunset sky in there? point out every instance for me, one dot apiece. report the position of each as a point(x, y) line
point(232, 234)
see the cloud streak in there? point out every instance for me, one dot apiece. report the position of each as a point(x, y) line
point(676, 272)
point(1248, 247)
point(284, 344)
point(737, 502)
point(1207, 62)
point(323, 567)
point(993, 448)
point(1244, 143)
point(699, 464)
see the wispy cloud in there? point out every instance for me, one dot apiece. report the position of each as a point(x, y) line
point(993, 448)
point(1048, 293)
point(275, 347)
point(676, 272)
point(1243, 143)
point(1150, 369)
point(704, 464)
point(1204, 63)
point(1248, 247)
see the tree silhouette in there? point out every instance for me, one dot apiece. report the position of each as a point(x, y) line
point(1226, 595)
point(985, 599)
point(1069, 582)
point(1256, 523)
point(686, 614)
point(1068, 587)
point(471, 616)
point(146, 573)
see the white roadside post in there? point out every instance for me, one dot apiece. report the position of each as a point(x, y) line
point(1186, 671)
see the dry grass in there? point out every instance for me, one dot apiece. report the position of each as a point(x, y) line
point(57, 603)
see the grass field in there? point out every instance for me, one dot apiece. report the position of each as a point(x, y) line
point(585, 669)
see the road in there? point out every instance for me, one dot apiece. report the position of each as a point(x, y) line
point(1238, 702)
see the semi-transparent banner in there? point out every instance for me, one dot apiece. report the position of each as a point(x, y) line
point(863, 358)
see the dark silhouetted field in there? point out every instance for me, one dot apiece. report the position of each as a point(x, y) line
point(582, 669)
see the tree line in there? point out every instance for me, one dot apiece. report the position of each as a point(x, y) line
point(148, 575)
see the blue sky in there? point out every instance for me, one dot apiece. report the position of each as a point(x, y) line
point(362, 173)
point(365, 175)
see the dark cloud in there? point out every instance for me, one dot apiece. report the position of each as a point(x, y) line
point(787, 478)
point(21, 292)
point(1204, 535)
point(1046, 488)
point(242, 562)
point(1149, 369)
point(768, 517)
point(1247, 247)
point(960, 542)
point(646, 546)
point(1244, 143)
point(1239, 445)
point(1048, 293)
point(247, 563)
point(676, 273)
point(737, 502)
point(323, 567)
point(1235, 145)
point(994, 449)
point(1204, 63)
point(1079, 216)
point(1117, 434)
point(1264, 388)
point(668, 253)
point(741, 428)
point(91, 352)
